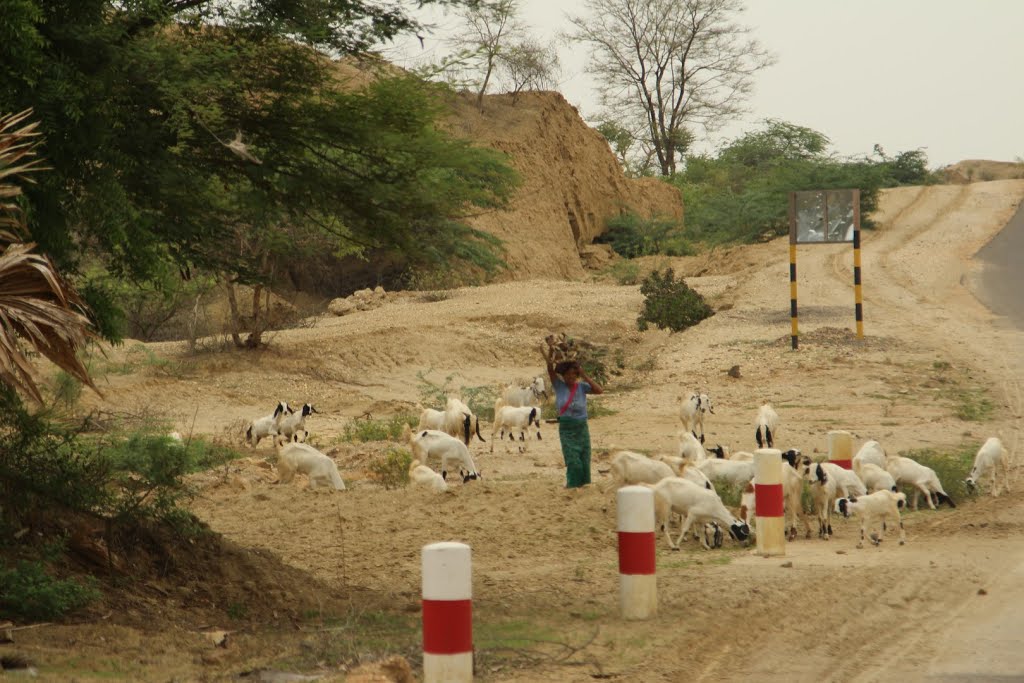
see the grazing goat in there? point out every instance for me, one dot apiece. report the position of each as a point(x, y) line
point(874, 477)
point(303, 458)
point(634, 468)
point(514, 419)
point(292, 424)
point(532, 395)
point(692, 412)
point(991, 457)
point(923, 479)
point(871, 452)
point(421, 475)
point(267, 425)
point(876, 507)
point(735, 472)
point(460, 421)
point(695, 504)
point(684, 469)
point(792, 496)
point(690, 448)
point(451, 450)
point(768, 422)
point(847, 482)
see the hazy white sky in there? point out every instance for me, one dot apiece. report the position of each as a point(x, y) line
point(938, 74)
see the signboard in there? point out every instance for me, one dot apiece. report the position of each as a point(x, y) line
point(823, 216)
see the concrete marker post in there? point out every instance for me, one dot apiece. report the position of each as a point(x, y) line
point(840, 448)
point(768, 502)
point(638, 589)
point(447, 613)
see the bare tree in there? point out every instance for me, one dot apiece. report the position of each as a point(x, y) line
point(489, 26)
point(528, 65)
point(665, 65)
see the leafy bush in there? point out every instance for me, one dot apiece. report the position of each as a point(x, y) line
point(391, 470)
point(631, 235)
point(624, 272)
point(28, 592)
point(670, 303)
point(389, 429)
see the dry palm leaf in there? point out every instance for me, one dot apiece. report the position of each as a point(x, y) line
point(37, 306)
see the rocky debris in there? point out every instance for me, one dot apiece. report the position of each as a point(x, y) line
point(392, 670)
point(596, 256)
point(362, 300)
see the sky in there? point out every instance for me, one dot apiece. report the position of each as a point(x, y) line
point(935, 74)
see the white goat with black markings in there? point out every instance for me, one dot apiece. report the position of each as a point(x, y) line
point(423, 476)
point(514, 419)
point(824, 491)
point(460, 421)
point(690, 448)
point(268, 425)
point(450, 450)
point(921, 478)
point(533, 394)
point(792, 497)
point(875, 508)
point(304, 459)
point(991, 458)
point(847, 482)
point(696, 505)
point(692, 413)
point(295, 423)
point(767, 426)
point(635, 468)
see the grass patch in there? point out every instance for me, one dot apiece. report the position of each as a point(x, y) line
point(952, 467)
point(361, 430)
point(359, 637)
point(28, 592)
point(624, 271)
point(972, 405)
point(391, 470)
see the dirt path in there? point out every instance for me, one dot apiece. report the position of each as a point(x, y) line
point(545, 568)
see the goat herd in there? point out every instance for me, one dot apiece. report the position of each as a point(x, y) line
point(683, 484)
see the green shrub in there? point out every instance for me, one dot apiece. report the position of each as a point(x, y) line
point(952, 468)
point(670, 303)
point(367, 429)
point(624, 272)
point(391, 470)
point(28, 592)
point(631, 235)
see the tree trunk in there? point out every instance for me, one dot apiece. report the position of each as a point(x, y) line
point(255, 337)
point(236, 321)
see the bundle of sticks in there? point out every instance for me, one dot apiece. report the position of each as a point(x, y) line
point(558, 347)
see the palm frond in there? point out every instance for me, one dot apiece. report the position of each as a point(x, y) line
point(38, 307)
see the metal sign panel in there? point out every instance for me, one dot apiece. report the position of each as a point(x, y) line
point(823, 216)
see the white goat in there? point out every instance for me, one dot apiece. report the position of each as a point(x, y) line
point(421, 475)
point(532, 395)
point(267, 425)
point(684, 469)
point(768, 422)
point(792, 496)
point(736, 472)
point(460, 421)
point(635, 468)
point(874, 477)
point(923, 479)
point(292, 425)
point(695, 504)
point(303, 458)
point(514, 419)
point(847, 482)
point(876, 507)
point(692, 412)
point(871, 452)
point(990, 458)
point(742, 456)
point(691, 449)
point(823, 493)
point(451, 450)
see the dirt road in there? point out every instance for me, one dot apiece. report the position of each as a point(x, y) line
point(935, 371)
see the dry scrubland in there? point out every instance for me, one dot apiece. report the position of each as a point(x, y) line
point(319, 579)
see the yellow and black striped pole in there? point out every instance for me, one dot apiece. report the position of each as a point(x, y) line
point(857, 294)
point(792, 293)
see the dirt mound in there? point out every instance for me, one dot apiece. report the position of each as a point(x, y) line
point(975, 170)
point(571, 182)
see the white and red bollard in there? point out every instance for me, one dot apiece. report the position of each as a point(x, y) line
point(638, 588)
point(840, 448)
point(768, 502)
point(447, 613)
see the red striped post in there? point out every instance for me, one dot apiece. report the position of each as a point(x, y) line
point(840, 448)
point(447, 613)
point(768, 502)
point(638, 590)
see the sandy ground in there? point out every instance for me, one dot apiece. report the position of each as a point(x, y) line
point(545, 583)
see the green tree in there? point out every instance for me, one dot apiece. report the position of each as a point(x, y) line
point(216, 135)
